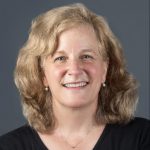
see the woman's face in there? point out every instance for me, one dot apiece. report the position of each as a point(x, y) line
point(76, 71)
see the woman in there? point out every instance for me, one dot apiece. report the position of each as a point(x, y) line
point(76, 92)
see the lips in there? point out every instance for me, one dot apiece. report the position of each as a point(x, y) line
point(75, 85)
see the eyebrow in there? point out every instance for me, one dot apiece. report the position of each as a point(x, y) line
point(89, 50)
point(82, 51)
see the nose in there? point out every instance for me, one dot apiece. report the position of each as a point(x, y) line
point(75, 67)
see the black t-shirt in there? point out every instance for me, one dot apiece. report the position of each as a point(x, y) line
point(132, 136)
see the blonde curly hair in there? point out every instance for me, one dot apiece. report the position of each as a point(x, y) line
point(117, 101)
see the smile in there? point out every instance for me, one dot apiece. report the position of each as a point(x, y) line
point(75, 85)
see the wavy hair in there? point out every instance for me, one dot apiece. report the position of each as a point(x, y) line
point(117, 101)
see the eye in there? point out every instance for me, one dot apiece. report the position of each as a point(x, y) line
point(60, 59)
point(86, 57)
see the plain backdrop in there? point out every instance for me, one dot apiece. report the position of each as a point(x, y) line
point(129, 20)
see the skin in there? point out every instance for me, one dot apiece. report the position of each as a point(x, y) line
point(76, 71)
point(74, 75)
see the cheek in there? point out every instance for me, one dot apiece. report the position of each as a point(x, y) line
point(56, 74)
point(93, 69)
point(97, 72)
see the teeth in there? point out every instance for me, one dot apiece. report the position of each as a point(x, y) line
point(74, 85)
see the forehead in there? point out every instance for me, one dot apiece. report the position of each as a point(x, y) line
point(78, 37)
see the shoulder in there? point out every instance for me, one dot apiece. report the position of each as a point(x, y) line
point(17, 133)
point(141, 127)
point(15, 139)
point(137, 126)
point(134, 134)
point(138, 123)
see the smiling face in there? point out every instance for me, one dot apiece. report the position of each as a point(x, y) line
point(76, 71)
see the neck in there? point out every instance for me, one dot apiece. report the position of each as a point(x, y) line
point(75, 127)
point(73, 120)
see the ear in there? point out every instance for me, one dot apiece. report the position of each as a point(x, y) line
point(106, 63)
point(44, 78)
point(45, 82)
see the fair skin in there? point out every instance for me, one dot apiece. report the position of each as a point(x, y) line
point(74, 75)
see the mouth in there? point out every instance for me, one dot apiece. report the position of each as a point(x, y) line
point(75, 84)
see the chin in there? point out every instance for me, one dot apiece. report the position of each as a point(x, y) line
point(77, 104)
